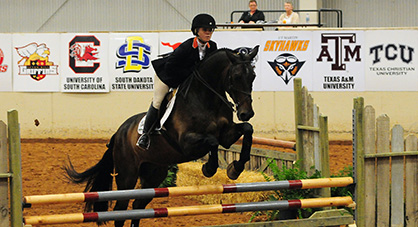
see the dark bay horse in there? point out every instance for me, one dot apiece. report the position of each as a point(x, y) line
point(201, 120)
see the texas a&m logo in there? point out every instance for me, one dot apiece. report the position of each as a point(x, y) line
point(344, 50)
point(83, 51)
point(134, 55)
point(35, 61)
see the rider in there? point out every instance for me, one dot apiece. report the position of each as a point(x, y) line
point(174, 69)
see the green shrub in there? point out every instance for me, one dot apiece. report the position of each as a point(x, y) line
point(171, 179)
point(296, 173)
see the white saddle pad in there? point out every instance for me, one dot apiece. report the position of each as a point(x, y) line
point(167, 113)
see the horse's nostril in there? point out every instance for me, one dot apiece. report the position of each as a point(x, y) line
point(245, 116)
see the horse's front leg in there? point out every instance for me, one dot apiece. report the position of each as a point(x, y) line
point(232, 135)
point(199, 145)
point(211, 167)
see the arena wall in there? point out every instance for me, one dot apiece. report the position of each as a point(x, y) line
point(93, 116)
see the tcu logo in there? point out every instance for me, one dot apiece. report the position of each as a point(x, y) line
point(83, 51)
point(135, 54)
point(391, 52)
point(340, 50)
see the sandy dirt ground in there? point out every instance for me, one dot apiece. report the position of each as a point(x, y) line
point(42, 162)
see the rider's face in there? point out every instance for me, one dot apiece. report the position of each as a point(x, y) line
point(205, 34)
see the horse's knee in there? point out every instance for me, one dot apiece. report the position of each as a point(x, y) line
point(247, 129)
point(211, 142)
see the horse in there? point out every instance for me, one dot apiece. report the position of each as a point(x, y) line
point(200, 121)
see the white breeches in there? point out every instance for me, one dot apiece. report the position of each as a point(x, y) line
point(160, 90)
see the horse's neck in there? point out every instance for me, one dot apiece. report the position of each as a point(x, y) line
point(212, 73)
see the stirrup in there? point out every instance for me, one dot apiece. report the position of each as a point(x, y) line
point(143, 141)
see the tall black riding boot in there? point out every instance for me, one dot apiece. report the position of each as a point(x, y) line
point(149, 126)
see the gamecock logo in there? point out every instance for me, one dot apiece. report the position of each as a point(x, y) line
point(83, 54)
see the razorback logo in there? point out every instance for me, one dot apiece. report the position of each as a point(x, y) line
point(174, 46)
point(286, 66)
point(3, 68)
point(36, 61)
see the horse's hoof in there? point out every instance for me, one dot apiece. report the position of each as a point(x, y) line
point(207, 171)
point(231, 172)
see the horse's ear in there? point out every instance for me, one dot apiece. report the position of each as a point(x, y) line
point(254, 52)
point(233, 57)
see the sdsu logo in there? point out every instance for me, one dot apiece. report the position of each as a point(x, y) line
point(83, 54)
point(286, 66)
point(36, 62)
point(135, 55)
point(3, 68)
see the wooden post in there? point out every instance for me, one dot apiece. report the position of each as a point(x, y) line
point(15, 169)
point(383, 178)
point(358, 149)
point(369, 166)
point(397, 192)
point(324, 146)
point(4, 181)
point(411, 184)
point(297, 85)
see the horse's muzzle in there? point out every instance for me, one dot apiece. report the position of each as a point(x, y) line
point(245, 115)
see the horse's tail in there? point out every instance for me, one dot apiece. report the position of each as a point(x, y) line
point(98, 177)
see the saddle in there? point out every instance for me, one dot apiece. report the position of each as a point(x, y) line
point(164, 112)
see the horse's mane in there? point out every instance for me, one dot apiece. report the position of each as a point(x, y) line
point(216, 52)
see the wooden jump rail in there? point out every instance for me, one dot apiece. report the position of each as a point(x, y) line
point(183, 191)
point(273, 142)
point(188, 210)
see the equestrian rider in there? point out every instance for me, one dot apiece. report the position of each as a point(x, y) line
point(177, 67)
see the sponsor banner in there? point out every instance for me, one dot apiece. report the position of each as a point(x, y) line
point(338, 61)
point(130, 61)
point(5, 62)
point(85, 58)
point(247, 40)
point(284, 56)
point(391, 60)
point(36, 62)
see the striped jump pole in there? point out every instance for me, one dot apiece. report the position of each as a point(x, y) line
point(188, 210)
point(182, 191)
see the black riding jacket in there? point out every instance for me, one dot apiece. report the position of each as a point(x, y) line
point(175, 68)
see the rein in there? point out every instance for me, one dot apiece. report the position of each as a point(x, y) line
point(203, 81)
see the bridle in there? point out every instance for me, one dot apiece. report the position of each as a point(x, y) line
point(233, 107)
point(231, 86)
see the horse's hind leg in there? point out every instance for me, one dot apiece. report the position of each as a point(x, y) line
point(151, 176)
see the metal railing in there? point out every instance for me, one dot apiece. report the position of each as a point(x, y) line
point(320, 12)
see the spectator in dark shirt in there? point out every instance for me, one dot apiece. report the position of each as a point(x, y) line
point(253, 15)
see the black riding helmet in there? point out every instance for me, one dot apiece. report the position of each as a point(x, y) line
point(202, 20)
